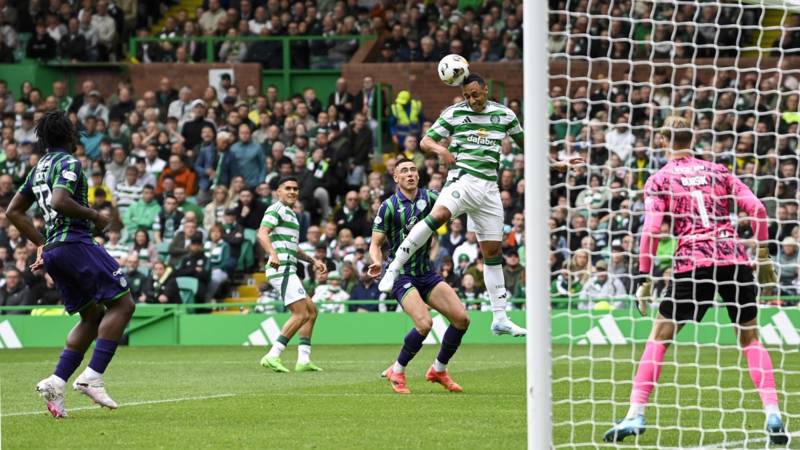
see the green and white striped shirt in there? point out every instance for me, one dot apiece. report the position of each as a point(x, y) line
point(285, 235)
point(476, 137)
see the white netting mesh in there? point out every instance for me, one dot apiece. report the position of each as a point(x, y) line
point(618, 69)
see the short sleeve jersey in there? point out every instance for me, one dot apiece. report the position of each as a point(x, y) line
point(285, 236)
point(395, 218)
point(476, 137)
point(58, 169)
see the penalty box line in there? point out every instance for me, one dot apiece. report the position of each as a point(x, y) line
point(140, 403)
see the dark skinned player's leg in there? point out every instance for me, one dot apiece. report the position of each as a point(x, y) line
point(304, 348)
point(78, 341)
point(115, 320)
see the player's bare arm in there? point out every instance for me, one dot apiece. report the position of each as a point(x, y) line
point(319, 265)
point(266, 244)
point(63, 203)
point(376, 254)
point(431, 146)
point(17, 216)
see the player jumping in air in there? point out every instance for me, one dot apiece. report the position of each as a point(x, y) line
point(279, 236)
point(476, 127)
point(696, 196)
point(418, 286)
point(88, 279)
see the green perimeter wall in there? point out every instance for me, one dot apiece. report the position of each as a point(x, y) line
point(41, 76)
point(170, 326)
point(323, 81)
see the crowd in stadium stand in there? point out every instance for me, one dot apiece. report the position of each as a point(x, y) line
point(188, 178)
point(188, 174)
point(746, 119)
point(415, 31)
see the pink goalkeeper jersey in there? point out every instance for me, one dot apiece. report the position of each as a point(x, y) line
point(697, 196)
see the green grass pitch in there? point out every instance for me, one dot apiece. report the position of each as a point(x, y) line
point(219, 397)
point(232, 402)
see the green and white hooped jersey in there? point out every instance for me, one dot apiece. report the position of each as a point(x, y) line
point(475, 137)
point(285, 236)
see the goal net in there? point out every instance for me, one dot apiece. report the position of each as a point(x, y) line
point(617, 70)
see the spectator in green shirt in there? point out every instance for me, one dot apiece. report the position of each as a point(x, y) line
point(143, 212)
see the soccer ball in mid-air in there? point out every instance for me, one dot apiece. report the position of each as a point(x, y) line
point(453, 69)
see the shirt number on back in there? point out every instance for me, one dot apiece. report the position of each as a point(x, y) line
point(43, 198)
point(701, 208)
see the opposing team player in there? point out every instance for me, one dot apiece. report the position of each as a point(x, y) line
point(417, 285)
point(279, 235)
point(88, 279)
point(476, 127)
point(696, 196)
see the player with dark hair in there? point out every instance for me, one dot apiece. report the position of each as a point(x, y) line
point(88, 279)
point(475, 128)
point(417, 285)
point(697, 196)
point(279, 236)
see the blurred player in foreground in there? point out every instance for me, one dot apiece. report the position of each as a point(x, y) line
point(417, 285)
point(696, 196)
point(89, 280)
point(279, 235)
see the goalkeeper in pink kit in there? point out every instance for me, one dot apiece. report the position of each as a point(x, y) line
point(697, 196)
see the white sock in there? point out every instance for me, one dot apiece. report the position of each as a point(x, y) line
point(398, 368)
point(496, 287)
point(635, 410)
point(58, 381)
point(91, 373)
point(772, 409)
point(303, 354)
point(416, 238)
point(276, 350)
point(439, 367)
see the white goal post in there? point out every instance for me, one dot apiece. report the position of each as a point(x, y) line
point(537, 301)
point(600, 78)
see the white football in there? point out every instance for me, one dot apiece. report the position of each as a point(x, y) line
point(453, 69)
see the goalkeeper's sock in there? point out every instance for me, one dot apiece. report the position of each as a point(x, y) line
point(496, 286)
point(411, 345)
point(304, 351)
point(450, 343)
point(760, 365)
point(416, 238)
point(278, 347)
point(646, 376)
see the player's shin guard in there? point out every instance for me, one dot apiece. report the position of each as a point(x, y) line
point(416, 238)
point(450, 343)
point(646, 377)
point(496, 286)
point(760, 365)
point(104, 350)
point(68, 363)
point(411, 345)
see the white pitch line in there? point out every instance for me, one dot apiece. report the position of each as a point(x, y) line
point(144, 402)
point(738, 444)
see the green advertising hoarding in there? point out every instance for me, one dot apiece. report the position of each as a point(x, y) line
point(173, 326)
